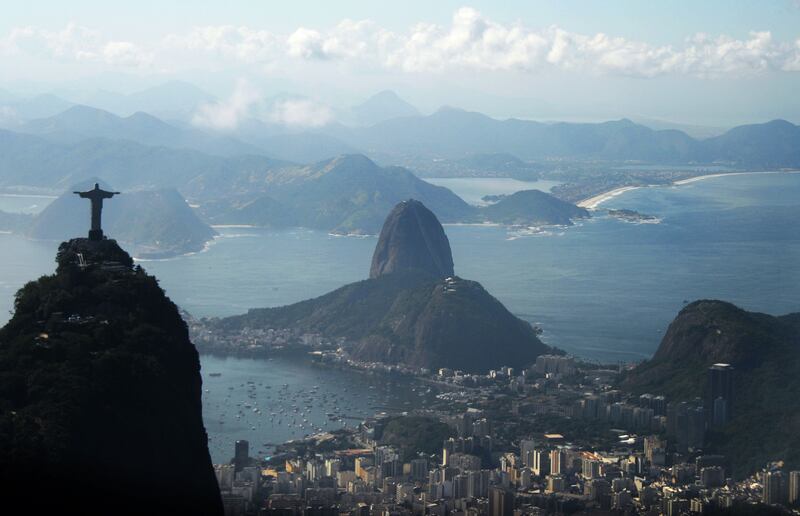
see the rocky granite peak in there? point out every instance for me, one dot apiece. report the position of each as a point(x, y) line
point(412, 239)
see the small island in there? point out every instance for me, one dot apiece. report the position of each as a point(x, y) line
point(634, 216)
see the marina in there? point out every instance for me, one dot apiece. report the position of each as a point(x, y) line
point(271, 401)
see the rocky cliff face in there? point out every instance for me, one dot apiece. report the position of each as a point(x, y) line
point(100, 394)
point(412, 239)
point(765, 352)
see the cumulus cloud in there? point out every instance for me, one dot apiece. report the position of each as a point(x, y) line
point(74, 43)
point(793, 64)
point(247, 101)
point(348, 40)
point(301, 113)
point(229, 42)
point(229, 113)
point(471, 41)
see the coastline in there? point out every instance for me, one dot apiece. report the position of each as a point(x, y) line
point(593, 202)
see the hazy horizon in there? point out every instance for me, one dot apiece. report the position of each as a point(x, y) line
point(719, 64)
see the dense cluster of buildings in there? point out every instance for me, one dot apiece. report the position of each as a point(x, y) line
point(254, 342)
point(652, 462)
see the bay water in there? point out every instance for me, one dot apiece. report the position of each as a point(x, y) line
point(603, 289)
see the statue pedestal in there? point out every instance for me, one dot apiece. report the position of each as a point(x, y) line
point(95, 234)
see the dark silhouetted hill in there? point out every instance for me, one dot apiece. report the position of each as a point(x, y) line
point(100, 394)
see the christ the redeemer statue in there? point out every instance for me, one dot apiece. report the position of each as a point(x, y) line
point(96, 196)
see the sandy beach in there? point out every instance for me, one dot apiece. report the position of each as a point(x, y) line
point(592, 203)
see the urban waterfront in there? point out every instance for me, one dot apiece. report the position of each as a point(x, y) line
point(270, 401)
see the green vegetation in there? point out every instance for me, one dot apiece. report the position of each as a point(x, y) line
point(532, 207)
point(412, 434)
point(765, 352)
point(412, 318)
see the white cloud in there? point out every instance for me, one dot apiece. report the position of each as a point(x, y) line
point(348, 40)
point(125, 53)
point(306, 43)
point(247, 101)
point(301, 113)
point(72, 42)
point(229, 113)
point(471, 42)
point(792, 64)
point(475, 42)
point(229, 42)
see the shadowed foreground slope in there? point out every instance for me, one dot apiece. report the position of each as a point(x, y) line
point(100, 394)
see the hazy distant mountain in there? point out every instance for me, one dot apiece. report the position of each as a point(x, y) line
point(82, 122)
point(695, 131)
point(410, 314)
point(33, 161)
point(149, 222)
point(173, 99)
point(773, 144)
point(453, 133)
point(382, 106)
point(15, 111)
point(346, 194)
point(456, 134)
point(765, 353)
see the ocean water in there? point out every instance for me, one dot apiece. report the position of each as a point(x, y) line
point(603, 289)
point(272, 401)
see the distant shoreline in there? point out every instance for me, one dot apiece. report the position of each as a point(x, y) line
point(592, 203)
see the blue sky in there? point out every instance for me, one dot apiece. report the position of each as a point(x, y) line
point(660, 21)
point(710, 62)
